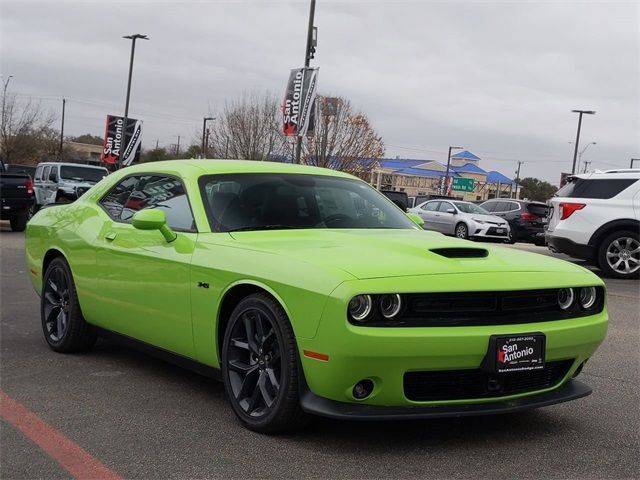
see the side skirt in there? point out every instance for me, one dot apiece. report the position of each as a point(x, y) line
point(162, 354)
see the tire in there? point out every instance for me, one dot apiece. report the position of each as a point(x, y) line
point(462, 231)
point(33, 209)
point(512, 237)
point(619, 254)
point(62, 198)
point(60, 311)
point(261, 377)
point(19, 221)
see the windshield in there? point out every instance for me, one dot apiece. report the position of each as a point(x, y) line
point(470, 208)
point(83, 174)
point(274, 201)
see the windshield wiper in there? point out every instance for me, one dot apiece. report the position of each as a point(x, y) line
point(260, 227)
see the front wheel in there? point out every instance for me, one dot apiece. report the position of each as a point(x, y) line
point(260, 366)
point(462, 231)
point(619, 255)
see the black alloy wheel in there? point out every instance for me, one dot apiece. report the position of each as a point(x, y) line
point(64, 327)
point(260, 365)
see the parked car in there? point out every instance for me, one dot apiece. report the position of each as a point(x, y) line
point(418, 199)
point(56, 182)
point(16, 193)
point(596, 217)
point(527, 219)
point(307, 291)
point(399, 198)
point(462, 219)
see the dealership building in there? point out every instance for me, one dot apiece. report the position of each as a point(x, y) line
point(423, 177)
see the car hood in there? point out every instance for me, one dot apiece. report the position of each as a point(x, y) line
point(367, 254)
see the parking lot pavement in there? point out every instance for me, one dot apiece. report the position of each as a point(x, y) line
point(143, 418)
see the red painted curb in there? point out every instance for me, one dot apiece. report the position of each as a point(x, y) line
point(73, 458)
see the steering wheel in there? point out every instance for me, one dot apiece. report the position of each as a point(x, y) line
point(336, 217)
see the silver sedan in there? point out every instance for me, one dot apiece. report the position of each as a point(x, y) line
point(462, 219)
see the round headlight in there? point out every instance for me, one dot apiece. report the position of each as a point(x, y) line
point(565, 298)
point(360, 307)
point(390, 305)
point(587, 297)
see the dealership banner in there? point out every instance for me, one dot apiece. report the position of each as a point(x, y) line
point(299, 101)
point(113, 150)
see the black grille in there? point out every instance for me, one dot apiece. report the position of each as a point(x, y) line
point(470, 384)
point(494, 231)
point(469, 309)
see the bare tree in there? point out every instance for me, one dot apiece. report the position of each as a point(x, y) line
point(343, 139)
point(26, 132)
point(247, 128)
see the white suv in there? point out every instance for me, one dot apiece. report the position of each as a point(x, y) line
point(596, 217)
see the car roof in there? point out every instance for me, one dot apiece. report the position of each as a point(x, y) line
point(71, 164)
point(620, 173)
point(212, 167)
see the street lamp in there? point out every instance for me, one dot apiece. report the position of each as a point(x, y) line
point(575, 150)
point(581, 152)
point(133, 38)
point(446, 177)
point(204, 132)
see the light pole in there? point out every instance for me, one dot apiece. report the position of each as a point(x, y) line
point(581, 152)
point(5, 84)
point(575, 150)
point(446, 177)
point(123, 145)
point(632, 161)
point(64, 102)
point(204, 132)
point(309, 52)
point(586, 164)
point(517, 181)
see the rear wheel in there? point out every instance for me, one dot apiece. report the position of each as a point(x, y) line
point(619, 254)
point(19, 221)
point(64, 327)
point(462, 231)
point(511, 239)
point(260, 366)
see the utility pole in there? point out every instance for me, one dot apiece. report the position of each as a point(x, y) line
point(575, 150)
point(586, 164)
point(446, 177)
point(123, 145)
point(517, 178)
point(204, 138)
point(157, 143)
point(5, 84)
point(60, 155)
point(308, 55)
point(178, 147)
point(633, 160)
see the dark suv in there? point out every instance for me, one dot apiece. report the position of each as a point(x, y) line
point(527, 219)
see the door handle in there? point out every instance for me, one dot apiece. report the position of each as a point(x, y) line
point(111, 236)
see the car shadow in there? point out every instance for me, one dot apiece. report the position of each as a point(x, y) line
point(338, 436)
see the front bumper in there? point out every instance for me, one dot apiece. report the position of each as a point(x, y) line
point(384, 354)
point(489, 231)
point(311, 403)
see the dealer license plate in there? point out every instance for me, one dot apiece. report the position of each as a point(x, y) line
point(500, 230)
point(519, 352)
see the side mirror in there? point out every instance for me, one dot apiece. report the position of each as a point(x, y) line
point(153, 219)
point(415, 218)
point(451, 210)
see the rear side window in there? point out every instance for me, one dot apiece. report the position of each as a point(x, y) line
point(38, 174)
point(595, 188)
point(489, 206)
point(45, 173)
point(164, 193)
point(431, 206)
point(445, 206)
point(114, 201)
point(513, 206)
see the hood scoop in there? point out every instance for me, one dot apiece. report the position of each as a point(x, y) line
point(460, 252)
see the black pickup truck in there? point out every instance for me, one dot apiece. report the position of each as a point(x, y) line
point(16, 192)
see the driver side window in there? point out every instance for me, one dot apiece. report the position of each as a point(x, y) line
point(445, 206)
point(430, 206)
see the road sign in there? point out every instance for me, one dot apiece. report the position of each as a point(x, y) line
point(460, 184)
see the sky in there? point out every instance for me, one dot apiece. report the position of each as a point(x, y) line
point(498, 78)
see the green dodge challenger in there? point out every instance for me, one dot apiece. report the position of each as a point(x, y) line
point(307, 291)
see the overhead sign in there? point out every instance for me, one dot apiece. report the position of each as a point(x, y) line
point(113, 150)
point(299, 101)
point(461, 184)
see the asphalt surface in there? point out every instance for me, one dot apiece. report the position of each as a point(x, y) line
point(144, 418)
